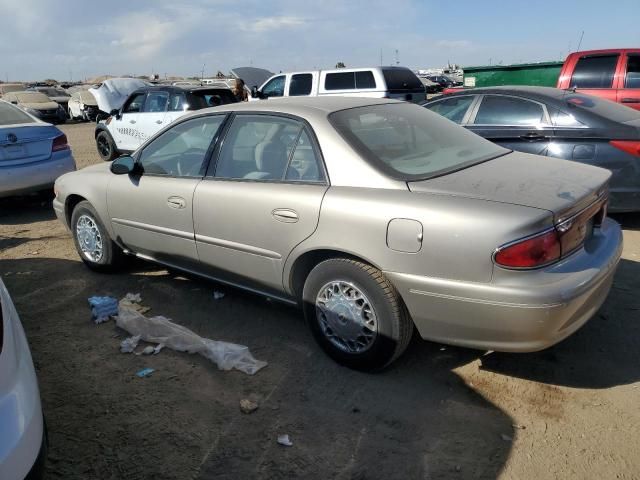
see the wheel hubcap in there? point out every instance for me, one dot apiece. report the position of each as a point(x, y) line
point(346, 317)
point(103, 147)
point(89, 238)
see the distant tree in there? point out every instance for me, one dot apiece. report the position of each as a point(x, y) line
point(340, 65)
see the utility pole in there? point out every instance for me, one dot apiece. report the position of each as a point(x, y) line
point(397, 57)
point(381, 57)
point(202, 76)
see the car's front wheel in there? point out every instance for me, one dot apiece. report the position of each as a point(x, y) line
point(93, 243)
point(356, 314)
point(106, 147)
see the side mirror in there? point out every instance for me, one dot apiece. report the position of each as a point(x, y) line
point(115, 113)
point(124, 165)
point(254, 91)
point(14, 102)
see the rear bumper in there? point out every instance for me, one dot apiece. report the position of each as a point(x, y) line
point(517, 311)
point(32, 177)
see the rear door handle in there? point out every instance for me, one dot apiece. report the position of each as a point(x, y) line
point(631, 100)
point(132, 121)
point(532, 137)
point(285, 215)
point(158, 122)
point(176, 202)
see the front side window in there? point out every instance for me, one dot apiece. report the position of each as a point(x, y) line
point(453, 108)
point(632, 79)
point(594, 72)
point(499, 110)
point(156, 102)
point(261, 147)
point(408, 142)
point(275, 87)
point(135, 105)
point(300, 84)
point(181, 151)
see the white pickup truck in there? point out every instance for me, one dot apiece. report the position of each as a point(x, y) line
point(374, 82)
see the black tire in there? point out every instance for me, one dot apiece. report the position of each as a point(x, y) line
point(111, 256)
point(394, 326)
point(106, 147)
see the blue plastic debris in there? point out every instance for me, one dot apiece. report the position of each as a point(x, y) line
point(102, 308)
point(145, 372)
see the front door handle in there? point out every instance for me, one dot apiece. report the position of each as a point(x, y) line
point(132, 121)
point(631, 100)
point(158, 122)
point(176, 202)
point(532, 137)
point(285, 215)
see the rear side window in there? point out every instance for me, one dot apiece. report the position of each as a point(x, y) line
point(498, 110)
point(453, 108)
point(156, 102)
point(178, 102)
point(300, 84)
point(632, 79)
point(401, 79)
point(340, 81)
point(365, 79)
point(594, 72)
point(10, 115)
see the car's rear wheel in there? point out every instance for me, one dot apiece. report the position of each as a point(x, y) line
point(356, 314)
point(93, 243)
point(106, 147)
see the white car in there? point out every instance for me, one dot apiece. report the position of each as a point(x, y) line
point(398, 83)
point(147, 111)
point(83, 105)
point(22, 432)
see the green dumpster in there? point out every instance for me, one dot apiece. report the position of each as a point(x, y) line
point(544, 74)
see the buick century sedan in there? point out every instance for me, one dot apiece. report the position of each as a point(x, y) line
point(376, 217)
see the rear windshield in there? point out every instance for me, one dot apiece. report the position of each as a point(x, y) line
point(602, 107)
point(408, 142)
point(401, 79)
point(53, 92)
point(32, 97)
point(210, 98)
point(10, 115)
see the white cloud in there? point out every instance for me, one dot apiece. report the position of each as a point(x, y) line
point(273, 23)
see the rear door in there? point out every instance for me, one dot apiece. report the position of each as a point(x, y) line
point(629, 92)
point(597, 74)
point(261, 200)
point(513, 122)
point(152, 117)
point(125, 130)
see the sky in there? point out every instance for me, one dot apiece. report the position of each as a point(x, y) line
point(76, 39)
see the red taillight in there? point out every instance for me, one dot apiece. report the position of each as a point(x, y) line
point(531, 252)
point(60, 143)
point(629, 146)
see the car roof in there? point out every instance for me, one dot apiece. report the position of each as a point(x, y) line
point(302, 106)
point(178, 88)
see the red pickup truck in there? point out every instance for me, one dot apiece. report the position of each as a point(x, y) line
point(613, 74)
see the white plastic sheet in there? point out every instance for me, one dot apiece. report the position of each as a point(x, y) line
point(163, 331)
point(111, 94)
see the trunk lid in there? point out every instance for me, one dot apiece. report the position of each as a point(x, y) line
point(25, 144)
point(560, 186)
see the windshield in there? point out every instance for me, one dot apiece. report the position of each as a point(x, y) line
point(408, 142)
point(10, 115)
point(604, 108)
point(32, 97)
point(54, 92)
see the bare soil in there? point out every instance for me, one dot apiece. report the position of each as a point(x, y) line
point(570, 412)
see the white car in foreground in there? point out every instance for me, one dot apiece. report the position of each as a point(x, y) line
point(22, 432)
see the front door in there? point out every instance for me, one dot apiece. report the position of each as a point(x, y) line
point(152, 213)
point(513, 122)
point(629, 93)
point(260, 200)
point(151, 119)
point(125, 129)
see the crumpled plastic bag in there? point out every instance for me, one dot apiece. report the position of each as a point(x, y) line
point(163, 331)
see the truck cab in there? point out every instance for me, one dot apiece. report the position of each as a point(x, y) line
point(613, 74)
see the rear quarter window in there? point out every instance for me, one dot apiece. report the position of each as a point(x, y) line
point(10, 115)
point(340, 81)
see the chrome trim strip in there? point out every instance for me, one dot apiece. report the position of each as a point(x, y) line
point(241, 247)
point(154, 228)
point(486, 302)
point(215, 279)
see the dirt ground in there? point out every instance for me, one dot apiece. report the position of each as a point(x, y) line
point(570, 412)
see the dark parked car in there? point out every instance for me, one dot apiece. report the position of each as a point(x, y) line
point(444, 81)
point(556, 123)
point(58, 95)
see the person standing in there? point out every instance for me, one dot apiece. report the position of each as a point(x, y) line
point(239, 91)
